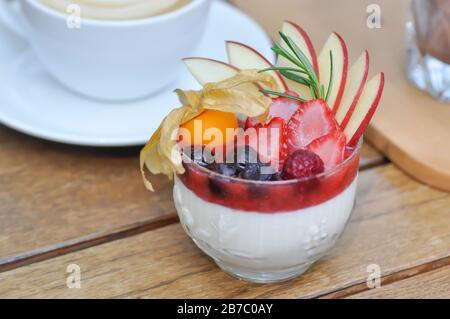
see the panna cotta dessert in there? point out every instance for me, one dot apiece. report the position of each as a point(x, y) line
point(265, 231)
point(265, 158)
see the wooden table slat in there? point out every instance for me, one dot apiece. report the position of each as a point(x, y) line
point(397, 224)
point(370, 157)
point(54, 195)
point(431, 285)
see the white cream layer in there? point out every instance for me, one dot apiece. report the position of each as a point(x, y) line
point(261, 241)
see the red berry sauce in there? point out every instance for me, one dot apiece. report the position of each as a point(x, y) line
point(270, 197)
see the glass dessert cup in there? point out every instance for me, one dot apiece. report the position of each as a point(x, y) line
point(266, 232)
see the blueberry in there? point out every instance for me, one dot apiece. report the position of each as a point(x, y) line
point(245, 155)
point(276, 177)
point(229, 170)
point(196, 153)
point(251, 171)
point(244, 164)
point(265, 177)
point(208, 158)
point(267, 172)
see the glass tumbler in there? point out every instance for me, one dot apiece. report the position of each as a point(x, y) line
point(429, 47)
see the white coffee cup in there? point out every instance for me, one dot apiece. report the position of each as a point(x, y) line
point(110, 60)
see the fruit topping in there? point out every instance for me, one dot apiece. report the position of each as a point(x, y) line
point(196, 154)
point(244, 57)
point(277, 177)
point(229, 170)
point(249, 166)
point(281, 107)
point(301, 117)
point(208, 70)
point(254, 172)
point(302, 163)
point(311, 121)
point(357, 79)
point(364, 109)
point(202, 128)
point(330, 148)
point(243, 155)
point(267, 140)
point(305, 45)
point(250, 122)
point(284, 107)
point(245, 164)
point(333, 72)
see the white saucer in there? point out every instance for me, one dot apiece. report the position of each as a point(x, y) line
point(33, 103)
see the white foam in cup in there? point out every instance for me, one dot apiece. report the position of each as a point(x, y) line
point(124, 50)
point(118, 9)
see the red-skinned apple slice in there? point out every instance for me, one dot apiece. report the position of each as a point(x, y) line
point(207, 70)
point(337, 46)
point(302, 40)
point(364, 109)
point(244, 57)
point(357, 78)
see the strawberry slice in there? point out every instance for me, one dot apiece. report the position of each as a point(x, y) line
point(281, 107)
point(284, 107)
point(330, 148)
point(311, 121)
point(251, 122)
point(261, 140)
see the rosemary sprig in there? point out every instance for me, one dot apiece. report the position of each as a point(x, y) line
point(295, 77)
point(303, 59)
point(283, 95)
point(290, 74)
point(301, 72)
point(283, 68)
point(313, 92)
point(284, 53)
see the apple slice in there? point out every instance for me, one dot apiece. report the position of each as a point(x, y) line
point(208, 70)
point(364, 109)
point(337, 46)
point(304, 43)
point(357, 78)
point(302, 40)
point(244, 57)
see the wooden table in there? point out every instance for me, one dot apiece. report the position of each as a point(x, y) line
point(62, 205)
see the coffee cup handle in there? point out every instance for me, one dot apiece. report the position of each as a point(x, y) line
point(11, 18)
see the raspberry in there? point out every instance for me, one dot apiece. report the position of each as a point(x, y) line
point(302, 163)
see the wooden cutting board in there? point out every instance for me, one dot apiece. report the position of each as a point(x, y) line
point(410, 127)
